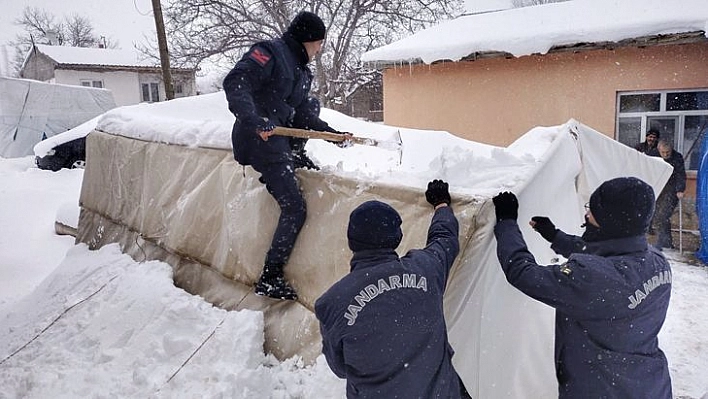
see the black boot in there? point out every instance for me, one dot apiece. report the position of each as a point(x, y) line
point(272, 284)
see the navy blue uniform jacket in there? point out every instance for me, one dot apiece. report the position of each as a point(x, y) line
point(271, 80)
point(610, 302)
point(382, 325)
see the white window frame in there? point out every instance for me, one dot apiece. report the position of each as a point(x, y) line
point(662, 112)
point(153, 92)
point(92, 83)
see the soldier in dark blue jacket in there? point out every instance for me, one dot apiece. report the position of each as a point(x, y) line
point(382, 325)
point(269, 87)
point(611, 296)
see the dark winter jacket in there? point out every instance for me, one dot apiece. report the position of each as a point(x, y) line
point(644, 148)
point(611, 301)
point(677, 181)
point(272, 80)
point(382, 325)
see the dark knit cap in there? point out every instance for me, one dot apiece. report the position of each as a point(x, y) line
point(374, 225)
point(623, 207)
point(306, 27)
point(653, 132)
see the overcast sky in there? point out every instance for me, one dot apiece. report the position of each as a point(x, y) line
point(123, 21)
point(482, 5)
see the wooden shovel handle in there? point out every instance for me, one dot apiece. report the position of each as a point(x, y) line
point(315, 134)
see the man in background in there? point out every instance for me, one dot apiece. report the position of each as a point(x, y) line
point(671, 194)
point(650, 141)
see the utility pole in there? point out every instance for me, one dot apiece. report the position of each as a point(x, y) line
point(162, 44)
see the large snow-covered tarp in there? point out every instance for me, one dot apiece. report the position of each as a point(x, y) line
point(31, 111)
point(161, 180)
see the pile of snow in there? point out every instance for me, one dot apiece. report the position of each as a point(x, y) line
point(205, 121)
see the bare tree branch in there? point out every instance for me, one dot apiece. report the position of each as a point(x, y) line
point(40, 27)
point(220, 31)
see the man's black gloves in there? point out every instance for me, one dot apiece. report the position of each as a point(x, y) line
point(437, 193)
point(259, 124)
point(346, 143)
point(301, 160)
point(506, 206)
point(545, 227)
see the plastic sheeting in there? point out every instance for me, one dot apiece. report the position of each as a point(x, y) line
point(211, 219)
point(702, 201)
point(32, 110)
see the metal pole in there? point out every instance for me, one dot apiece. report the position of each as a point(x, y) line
point(680, 227)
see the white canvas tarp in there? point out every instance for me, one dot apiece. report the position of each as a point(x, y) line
point(32, 110)
point(212, 221)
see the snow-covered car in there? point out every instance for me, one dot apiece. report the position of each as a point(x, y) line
point(64, 150)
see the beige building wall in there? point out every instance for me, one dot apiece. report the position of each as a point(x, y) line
point(496, 100)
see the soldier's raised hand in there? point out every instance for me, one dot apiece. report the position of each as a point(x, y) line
point(437, 193)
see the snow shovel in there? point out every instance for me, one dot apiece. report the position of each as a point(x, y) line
point(396, 145)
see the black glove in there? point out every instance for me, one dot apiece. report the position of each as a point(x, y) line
point(545, 227)
point(437, 193)
point(266, 125)
point(340, 144)
point(301, 160)
point(345, 143)
point(506, 206)
point(260, 124)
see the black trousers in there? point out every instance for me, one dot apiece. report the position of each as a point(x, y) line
point(665, 205)
point(282, 184)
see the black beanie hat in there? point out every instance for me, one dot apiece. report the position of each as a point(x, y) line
point(306, 27)
point(623, 207)
point(653, 132)
point(374, 225)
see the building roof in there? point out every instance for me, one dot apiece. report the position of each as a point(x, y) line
point(93, 56)
point(538, 29)
point(97, 57)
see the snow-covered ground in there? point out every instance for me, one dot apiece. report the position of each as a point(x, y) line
point(79, 323)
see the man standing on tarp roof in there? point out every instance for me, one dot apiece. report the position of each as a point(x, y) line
point(269, 87)
point(650, 142)
point(611, 296)
point(382, 325)
point(670, 195)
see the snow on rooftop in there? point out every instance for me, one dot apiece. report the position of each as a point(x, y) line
point(94, 56)
point(536, 29)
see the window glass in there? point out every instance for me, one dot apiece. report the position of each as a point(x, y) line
point(640, 102)
point(687, 101)
point(150, 92)
point(695, 131)
point(629, 131)
point(146, 91)
point(154, 92)
point(98, 83)
point(85, 83)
